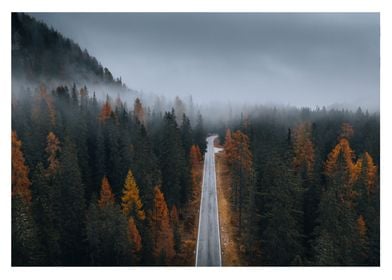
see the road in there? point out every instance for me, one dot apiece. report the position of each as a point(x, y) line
point(208, 249)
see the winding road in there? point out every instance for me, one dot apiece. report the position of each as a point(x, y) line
point(208, 249)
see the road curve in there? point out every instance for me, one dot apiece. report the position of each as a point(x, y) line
point(208, 249)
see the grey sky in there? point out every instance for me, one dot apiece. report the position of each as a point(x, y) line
point(297, 59)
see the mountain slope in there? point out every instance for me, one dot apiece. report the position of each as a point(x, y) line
point(40, 53)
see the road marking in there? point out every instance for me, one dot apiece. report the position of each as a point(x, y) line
point(201, 201)
point(217, 207)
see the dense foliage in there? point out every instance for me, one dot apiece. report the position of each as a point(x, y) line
point(93, 185)
point(305, 186)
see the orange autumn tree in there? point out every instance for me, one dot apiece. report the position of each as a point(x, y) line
point(195, 159)
point(241, 172)
point(131, 202)
point(134, 236)
point(139, 111)
point(352, 168)
point(228, 147)
point(162, 231)
point(106, 195)
point(303, 148)
point(361, 225)
point(106, 111)
point(363, 239)
point(52, 148)
point(20, 172)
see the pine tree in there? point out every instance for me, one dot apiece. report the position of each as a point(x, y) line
point(107, 235)
point(241, 173)
point(71, 213)
point(144, 164)
point(337, 215)
point(131, 202)
point(25, 243)
point(176, 228)
point(281, 230)
point(45, 203)
point(162, 231)
point(186, 135)
point(200, 134)
point(175, 171)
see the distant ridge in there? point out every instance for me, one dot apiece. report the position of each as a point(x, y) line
point(40, 53)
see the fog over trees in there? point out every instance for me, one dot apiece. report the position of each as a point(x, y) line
point(105, 175)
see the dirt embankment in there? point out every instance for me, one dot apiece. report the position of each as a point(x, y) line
point(189, 222)
point(229, 244)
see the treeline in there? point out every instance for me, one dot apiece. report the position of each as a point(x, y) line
point(40, 53)
point(305, 186)
point(94, 183)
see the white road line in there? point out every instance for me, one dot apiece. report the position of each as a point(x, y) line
point(217, 206)
point(201, 204)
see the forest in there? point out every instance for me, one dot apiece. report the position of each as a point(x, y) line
point(96, 183)
point(305, 186)
point(115, 179)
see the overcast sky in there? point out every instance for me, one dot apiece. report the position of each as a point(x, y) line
point(296, 59)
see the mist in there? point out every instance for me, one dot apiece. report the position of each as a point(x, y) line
point(318, 59)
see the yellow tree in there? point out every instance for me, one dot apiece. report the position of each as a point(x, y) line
point(352, 167)
point(131, 202)
point(106, 196)
point(163, 233)
point(20, 172)
point(303, 148)
point(371, 172)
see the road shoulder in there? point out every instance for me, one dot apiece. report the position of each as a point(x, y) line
point(229, 246)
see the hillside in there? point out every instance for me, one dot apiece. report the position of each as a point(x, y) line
point(40, 53)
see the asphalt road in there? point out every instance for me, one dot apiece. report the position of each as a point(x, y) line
point(208, 249)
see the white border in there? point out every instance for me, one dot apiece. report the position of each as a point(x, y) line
point(382, 6)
